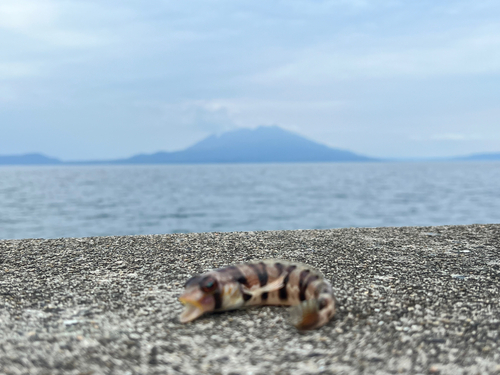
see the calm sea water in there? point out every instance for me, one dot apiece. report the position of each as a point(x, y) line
point(51, 202)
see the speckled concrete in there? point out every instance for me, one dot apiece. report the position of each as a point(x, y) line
point(413, 300)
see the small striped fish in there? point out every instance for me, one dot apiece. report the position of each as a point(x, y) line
point(269, 282)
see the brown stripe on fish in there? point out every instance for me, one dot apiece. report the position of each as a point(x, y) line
point(302, 280)
point(283, 292)
point(279, 267)
point(322, 303)
point(261, 272)
point(305, 284)
point(263, 276)
point(235, 273)
point(218, 300)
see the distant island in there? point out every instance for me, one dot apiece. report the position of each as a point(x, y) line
point(265, 144)
point(480, 157)
point(28, 159)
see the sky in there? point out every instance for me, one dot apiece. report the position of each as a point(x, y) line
point(93, 79)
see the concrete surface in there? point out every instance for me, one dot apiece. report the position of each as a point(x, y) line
point(413, 300)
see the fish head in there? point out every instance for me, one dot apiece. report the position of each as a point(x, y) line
point(198, 297)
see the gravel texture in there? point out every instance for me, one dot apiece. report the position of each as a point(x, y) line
point(412, 300)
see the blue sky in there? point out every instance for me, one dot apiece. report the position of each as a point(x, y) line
point(107, 79)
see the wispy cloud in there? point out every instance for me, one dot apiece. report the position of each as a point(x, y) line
point(52, 22)
point(451, 137)
point(218, 115)
point(27, 15)
point(13, 70)
point(461, 137)
point(475, 51)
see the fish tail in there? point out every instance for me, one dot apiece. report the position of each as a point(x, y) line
point(313, 313)
point(305, 315)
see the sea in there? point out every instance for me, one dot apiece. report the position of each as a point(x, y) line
point(83, 201)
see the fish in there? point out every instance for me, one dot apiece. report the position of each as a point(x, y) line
point(266, 282)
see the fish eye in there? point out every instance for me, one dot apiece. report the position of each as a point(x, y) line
point(208, 284)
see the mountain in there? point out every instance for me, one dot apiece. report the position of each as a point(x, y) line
point(481, 157)
point(265, 144)
point(28, 159)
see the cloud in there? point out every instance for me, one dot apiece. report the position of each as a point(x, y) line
point(449, 137)
point(218, 115)
point(198, 115)
point(10, 71)
point(475, 51)
point(456, 137)
point(52, 22)
point(23, 15)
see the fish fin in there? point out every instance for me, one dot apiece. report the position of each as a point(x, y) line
point(272, 286)
point(305, 315)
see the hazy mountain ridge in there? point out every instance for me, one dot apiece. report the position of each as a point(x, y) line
point(260, 145)
point(490, 156)
point(28, 159)
point(265, 144)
